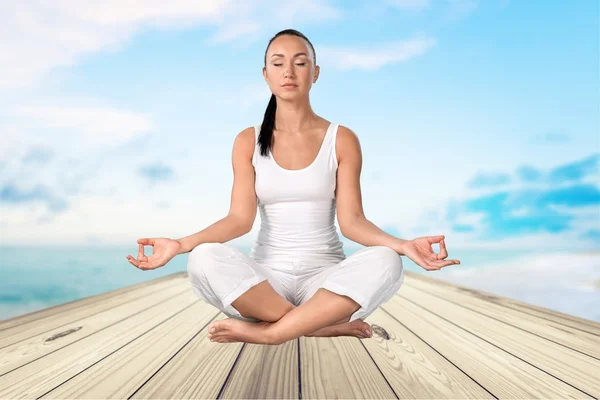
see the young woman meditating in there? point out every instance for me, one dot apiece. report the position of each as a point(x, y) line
point(298, 169)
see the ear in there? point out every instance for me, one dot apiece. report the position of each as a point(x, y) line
point(316, 76)
point(264, 72)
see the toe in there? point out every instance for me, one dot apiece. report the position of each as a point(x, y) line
point(215, 327)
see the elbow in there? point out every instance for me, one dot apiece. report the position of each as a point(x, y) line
point(243, 225)
point(346, 229)
point(346, 232)
point(349, 226)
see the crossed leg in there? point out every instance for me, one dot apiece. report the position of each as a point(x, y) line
point(265, 304)
point(319, 315)
point(374, 274)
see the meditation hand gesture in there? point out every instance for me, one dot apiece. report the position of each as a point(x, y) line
point(163, 250)
point(420, 251)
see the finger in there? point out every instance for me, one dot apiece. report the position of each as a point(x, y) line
point(133, 262)
point(437, 265)
point(435, 239)
point(428, 265)
point(141, 252)
point(146, 241)
point(145, 266)
point(443, 252)
point(446, 263)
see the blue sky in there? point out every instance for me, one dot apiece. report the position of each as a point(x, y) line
point(478, 120)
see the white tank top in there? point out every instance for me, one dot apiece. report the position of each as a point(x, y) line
point(297, 209)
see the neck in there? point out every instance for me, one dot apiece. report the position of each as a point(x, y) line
point(294, 116)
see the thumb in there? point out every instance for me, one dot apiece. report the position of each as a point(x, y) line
point(146, 241)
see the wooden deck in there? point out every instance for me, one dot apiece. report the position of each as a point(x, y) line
point(433, 340)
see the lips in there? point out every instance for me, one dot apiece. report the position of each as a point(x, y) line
point(289, 85)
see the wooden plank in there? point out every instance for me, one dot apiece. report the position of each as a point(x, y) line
point(582, 324)
point(46, 373)
point(264, 372)
point(576, 339)
point(501, 373)
point(35, 327)
point(82, 303)
point(25, 351)
point(339, 367)
point(197, 371)
point(122, 373)
point(570, 366)
point(412, 367)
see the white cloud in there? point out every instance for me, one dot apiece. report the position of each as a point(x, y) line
point(372, 57)
point(41, 35)
point(235, 31)
point(90, 126)
point(293, 12)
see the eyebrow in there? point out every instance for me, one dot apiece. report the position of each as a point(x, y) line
point(295, 55)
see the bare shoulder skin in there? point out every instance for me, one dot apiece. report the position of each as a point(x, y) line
point(243, 196)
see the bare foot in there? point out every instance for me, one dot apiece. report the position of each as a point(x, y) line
point(234, 330)
point(355, 328)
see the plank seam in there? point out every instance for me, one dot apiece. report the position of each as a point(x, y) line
point(299, 371)
point(500, 348)
point(433, 348)
point(113, 352)
point(100, 330)
point(237, 358)
point(509, 324)
point(83, 317)
point(104, 296)
point(379, 369)
point(510, 304)
point(173, 356)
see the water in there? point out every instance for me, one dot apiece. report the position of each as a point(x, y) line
point(33, 278)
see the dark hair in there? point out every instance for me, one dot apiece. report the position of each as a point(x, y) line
point(268, 124)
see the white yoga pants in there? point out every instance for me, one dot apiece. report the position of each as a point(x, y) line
point(220, 273)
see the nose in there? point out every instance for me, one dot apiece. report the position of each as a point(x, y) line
point(288, 72)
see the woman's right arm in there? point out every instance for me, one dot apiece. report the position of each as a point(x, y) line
point(242, 210)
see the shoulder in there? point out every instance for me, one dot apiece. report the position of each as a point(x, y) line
point(347, 143)
point(244, 141)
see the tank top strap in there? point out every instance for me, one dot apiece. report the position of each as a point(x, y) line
point(256, 146)
point(329, 145)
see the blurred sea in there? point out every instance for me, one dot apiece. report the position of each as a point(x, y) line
point(33, 278)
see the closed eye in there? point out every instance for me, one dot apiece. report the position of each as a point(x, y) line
point(278, 65)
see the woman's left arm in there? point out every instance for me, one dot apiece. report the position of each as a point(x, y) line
point(356, 227)
point(351, 218)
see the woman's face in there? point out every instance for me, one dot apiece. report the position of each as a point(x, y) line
point(290, 61)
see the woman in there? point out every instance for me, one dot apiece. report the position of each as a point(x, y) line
point(299, 169)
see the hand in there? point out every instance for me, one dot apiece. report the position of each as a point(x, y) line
point(163, 250)
point(420, 251)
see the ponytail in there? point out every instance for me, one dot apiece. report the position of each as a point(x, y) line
point(266, 128)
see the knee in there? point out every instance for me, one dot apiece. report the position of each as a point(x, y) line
point(201, 256)
point(390, 261)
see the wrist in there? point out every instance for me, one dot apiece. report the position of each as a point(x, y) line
point(399, 246)
point(181, 249)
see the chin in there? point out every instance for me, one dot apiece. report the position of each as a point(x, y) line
point(290, 95)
